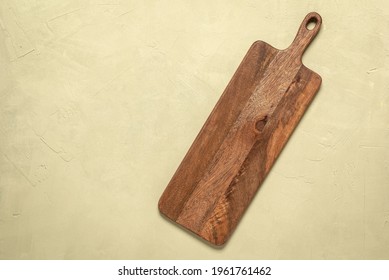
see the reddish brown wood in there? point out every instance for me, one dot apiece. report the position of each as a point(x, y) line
point(242, 138)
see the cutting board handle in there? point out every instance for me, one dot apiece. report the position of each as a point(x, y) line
point(306, 33)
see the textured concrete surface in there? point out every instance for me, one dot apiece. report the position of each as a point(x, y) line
point(100, 100)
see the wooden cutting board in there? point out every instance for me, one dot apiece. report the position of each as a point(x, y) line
point(241, 139)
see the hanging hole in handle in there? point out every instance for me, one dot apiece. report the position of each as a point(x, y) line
point(311, 23)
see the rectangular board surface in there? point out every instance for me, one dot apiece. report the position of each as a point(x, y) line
point(242, 137)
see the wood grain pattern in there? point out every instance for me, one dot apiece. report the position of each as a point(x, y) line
point(242, 138)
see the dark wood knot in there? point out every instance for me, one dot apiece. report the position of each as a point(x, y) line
point(260, 123)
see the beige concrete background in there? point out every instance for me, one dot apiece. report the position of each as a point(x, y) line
point(100, 100)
